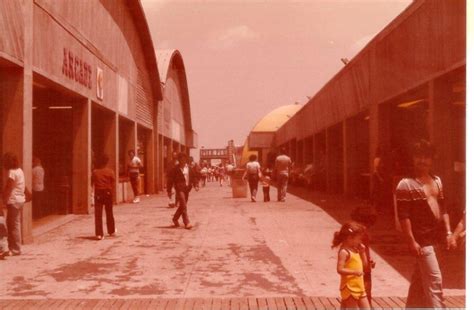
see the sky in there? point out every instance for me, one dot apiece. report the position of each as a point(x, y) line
point(245, 58)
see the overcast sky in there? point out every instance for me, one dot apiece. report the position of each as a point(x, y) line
point(245, 58)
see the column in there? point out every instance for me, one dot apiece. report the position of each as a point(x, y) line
point(111, 147)
point(81, 156)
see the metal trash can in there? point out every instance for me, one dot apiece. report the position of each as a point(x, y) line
point(239, 186)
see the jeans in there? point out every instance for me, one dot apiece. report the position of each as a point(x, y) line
point(426, 289)
point(282, 180)
point(266, 193)
point(134, 182)
point(14, 227)
point(103, 198)
point(253, 184)
point(182, 207)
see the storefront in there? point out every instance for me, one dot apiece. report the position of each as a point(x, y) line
point(69, 93)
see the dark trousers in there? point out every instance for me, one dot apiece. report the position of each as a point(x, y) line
point(103, 198)
point(253, 184)
point(38, 205)
point(134, 182)
point(182, 211)
point(266, 193)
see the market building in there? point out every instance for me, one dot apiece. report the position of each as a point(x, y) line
point(78, 79)
point(407, 83)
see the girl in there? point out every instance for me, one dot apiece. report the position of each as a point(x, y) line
point(351, 263)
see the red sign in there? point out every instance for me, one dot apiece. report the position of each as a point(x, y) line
point(77, 69)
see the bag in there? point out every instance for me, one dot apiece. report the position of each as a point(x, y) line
point(28, 195)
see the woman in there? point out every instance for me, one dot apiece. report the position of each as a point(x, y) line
point(252, 173)
point(14, 198)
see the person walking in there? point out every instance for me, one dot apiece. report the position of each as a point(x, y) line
point(15, 194)
point(204, 172)
point(282, 173)
point(134, 173)
point(253, 174)
point(351, 262)
point(181, 178)
point(38, 188)
point(221, 174)
point(103, 181)
point(266, 180)
point(423, 216)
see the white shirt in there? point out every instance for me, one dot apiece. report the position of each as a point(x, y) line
point(185, 172)
point(18, 191)
point(38, 179)
point(253, 167)
point(135, 164)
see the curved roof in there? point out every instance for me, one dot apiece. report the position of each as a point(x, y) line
point(276, 118)
point(148, 47)
point(166, 59)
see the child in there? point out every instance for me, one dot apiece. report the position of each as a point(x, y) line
point(350, 265)
point(366, 218)
point(103, 180)
point(266, 173)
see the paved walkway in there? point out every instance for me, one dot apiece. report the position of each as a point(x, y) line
point(236, 249)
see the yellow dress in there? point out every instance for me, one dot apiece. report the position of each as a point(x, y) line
point(352, 285)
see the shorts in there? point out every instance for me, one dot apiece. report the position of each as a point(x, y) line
point(346, 293)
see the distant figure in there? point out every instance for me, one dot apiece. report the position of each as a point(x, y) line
point(351, 262)
point(423, 216)
point(172, 199)
point(134, 173)
point(181, 179)
point(204, 172)
point(266, 180)
point(282, 172)
point(221, 173)
point(38, 188)
point(14, 197)
point(197, 172)
point(252, 173)
point(103, 180)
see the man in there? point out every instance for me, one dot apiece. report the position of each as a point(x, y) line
point(172, 199)
point(420, 204)
point(134, 173)
point(282, 173)
point(181, 178)
point(37, 187)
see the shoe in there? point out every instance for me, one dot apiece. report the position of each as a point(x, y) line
point(11, 253)
point(188, 226)
point(171, 205)
point(136, 200)
point(113, 234)
point(253, 199)
point(98, 238)
point(176, 223)
point(3, 255)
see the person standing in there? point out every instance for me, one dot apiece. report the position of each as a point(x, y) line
point(134, 173)
point(181, 178)
point(423, 216)
point(38, 188)
point(14, 197)
point(103, 181)
point(282, 173)
point(172, 199)
point(252, 173)
point(204, 172)
point(266, 180)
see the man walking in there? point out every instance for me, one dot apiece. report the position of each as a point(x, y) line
point(181, 178)
point(134, 173)
point(420, 204)
point(282, 173)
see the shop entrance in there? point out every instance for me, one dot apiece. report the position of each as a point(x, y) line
point(53, 145)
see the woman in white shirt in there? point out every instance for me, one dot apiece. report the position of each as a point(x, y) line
point(13, 198)
point(252, 173)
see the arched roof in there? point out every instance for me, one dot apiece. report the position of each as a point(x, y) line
point(276, 118)
point(148, 48)
point(166, 59)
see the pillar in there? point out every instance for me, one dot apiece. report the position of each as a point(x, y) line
point(111, 146)
point(150, 163)
point(81, 156)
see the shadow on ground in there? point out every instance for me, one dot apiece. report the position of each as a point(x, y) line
point(386, 241)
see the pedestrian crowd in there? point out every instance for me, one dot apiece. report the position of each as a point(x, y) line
point(419, 204)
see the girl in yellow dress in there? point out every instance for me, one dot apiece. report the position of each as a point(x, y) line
point(350, 265)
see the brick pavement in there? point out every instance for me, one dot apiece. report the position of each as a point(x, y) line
point(237, 249)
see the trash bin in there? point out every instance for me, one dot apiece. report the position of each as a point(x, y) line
point(239, 186)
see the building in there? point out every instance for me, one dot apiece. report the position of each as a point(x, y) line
point(77, 79)
point(175, 131)
point(407, 83)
